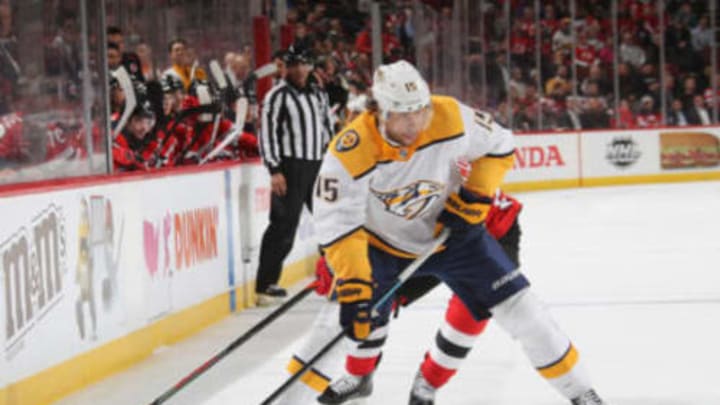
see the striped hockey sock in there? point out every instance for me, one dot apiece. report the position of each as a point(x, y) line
point(453, 342)
point(364, 358)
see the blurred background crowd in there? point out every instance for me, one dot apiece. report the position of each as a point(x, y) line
point(536, 65)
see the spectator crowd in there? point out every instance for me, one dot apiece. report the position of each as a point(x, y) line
point(186, 113)
point(550, 95)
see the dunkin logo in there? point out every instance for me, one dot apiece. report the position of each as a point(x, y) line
point(189, 237)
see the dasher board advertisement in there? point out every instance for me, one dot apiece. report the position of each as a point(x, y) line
point(545, 157)
point(62, 276)
point(620, 153)
point(82, 267)
point(690, 149)
point(183, 243)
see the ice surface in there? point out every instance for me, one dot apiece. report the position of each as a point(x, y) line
point(631, 273)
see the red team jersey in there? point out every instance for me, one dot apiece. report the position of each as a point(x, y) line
point(11, 142)
point(62, 139)
point(130, 153)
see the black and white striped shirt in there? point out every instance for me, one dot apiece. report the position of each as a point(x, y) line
point(295, 124)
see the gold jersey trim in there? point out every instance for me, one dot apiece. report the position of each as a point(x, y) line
point(562, 366)
point(360, 148)
point(312, 378)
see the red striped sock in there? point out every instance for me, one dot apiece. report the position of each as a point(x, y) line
point(360, 366)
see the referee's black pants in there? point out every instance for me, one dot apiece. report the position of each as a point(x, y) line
point(284, 218)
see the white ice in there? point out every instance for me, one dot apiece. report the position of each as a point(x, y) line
point(631, 273)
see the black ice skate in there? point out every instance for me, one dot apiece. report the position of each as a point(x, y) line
point(590, 397)
point(346, 388)
point(272, 295)
point(422, 393)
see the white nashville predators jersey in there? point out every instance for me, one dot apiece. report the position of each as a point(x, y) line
point(395, 194)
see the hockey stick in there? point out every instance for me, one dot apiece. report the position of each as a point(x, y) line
point(241, 108)
point(213, 134)
point(6, 54)
point(231, 136)
point(222, 84)
point(235, 344)
point(240, 112)
point(126, 85)
point(263, 71)
point(193, 69)
point(218, 74)
point(231, 76)
point(404, 275)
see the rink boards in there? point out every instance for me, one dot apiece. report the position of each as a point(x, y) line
point(161, 256)
point(156, 258)
point(608, 157)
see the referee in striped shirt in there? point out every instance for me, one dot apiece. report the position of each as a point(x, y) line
point(296, 128)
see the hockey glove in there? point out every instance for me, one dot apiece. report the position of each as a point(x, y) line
point(464, 210)
point(354, 296)
point(502, 215)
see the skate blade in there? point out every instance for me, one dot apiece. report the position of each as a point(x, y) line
point(266, 301)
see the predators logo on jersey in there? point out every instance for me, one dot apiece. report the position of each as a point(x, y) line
point(410, 201)
point(347, 141)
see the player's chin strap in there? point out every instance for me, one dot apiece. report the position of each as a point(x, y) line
point(389, 294)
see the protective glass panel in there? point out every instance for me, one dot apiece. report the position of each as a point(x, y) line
point(52, 102)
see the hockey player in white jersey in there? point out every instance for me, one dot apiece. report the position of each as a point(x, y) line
point(451, 344)
point(387, 185)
